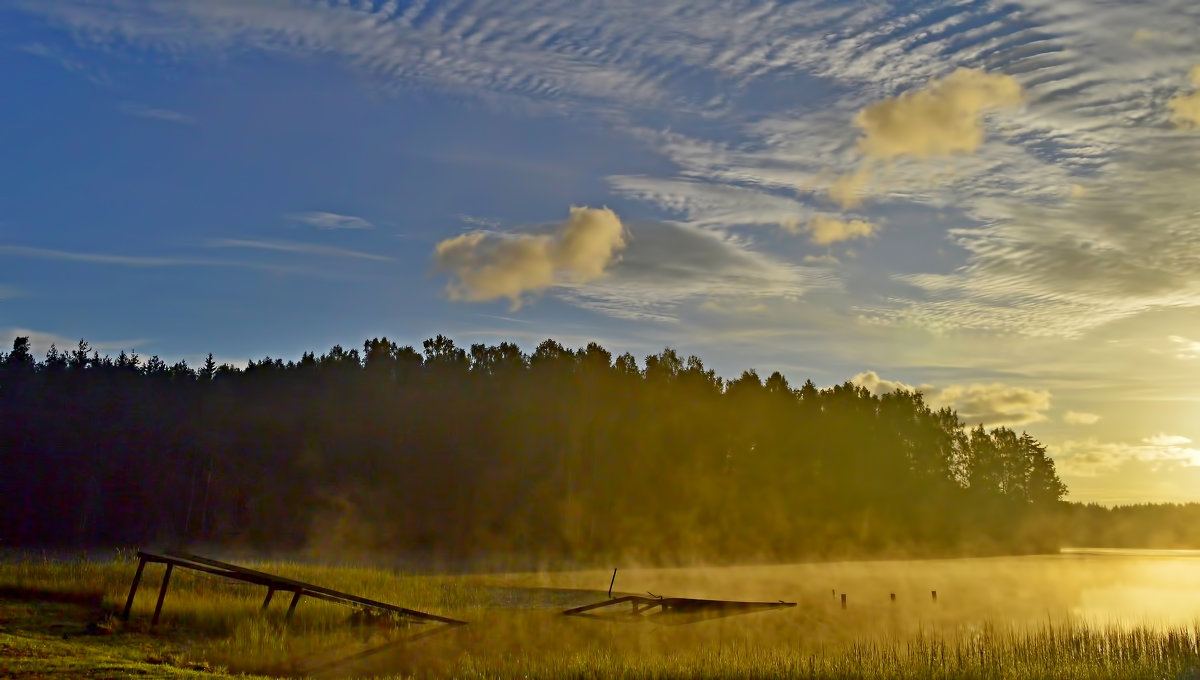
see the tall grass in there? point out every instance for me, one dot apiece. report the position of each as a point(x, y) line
point(1071, 651)
point(220, 621)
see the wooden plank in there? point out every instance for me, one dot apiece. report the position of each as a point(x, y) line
point(312, 589)
point(272, 582)
point(672, 607)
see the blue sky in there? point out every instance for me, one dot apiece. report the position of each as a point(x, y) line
point(991, 201)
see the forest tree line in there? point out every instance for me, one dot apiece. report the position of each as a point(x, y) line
point(461, 453)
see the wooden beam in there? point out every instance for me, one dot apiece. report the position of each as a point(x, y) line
point(292, 606)
point(162, 593)
point(137, 578)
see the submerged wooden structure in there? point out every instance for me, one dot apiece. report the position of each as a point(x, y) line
point(273, 584)
point(669, 610)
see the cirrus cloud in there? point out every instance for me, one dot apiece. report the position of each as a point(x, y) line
point(329, 220)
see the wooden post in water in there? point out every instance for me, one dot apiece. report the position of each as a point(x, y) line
point(843, 600)
point(933, 593)
point(162, 594)
point(893, 598)
point(137, 578)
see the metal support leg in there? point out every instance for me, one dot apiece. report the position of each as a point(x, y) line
point(162, 593)
point(270, 594)
point(292, 606)
point(137, 578)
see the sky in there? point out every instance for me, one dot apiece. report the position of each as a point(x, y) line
point(992, 202)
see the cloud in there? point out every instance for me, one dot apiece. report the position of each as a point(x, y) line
point(825, 260)
point(1166, 440)
point(711, 204)
point(992, 404)
point(1185, 348)
point(878, 385)
point(1080, 418)
point(1091, 457)
point(108, 258)
point(848, 189)
point(671, 266)
point(40, 342)
point(824, 230)
point(1185, 108)
point(488, 265)
point(292, 247)
point(943, 118)
point(488, 222)
point(328, 220)
point(1143, 35)
point(996, 404)
point(166, 115)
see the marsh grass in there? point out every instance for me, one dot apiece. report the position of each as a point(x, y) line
point(1065, 652)
point(516, 632)
point(222, 620)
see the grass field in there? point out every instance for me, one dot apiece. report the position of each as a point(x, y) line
point(57, 620)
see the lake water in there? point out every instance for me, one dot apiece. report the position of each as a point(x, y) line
point(1156, 588)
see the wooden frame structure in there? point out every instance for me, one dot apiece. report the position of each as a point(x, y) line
point(272, 583)
point(671, 610)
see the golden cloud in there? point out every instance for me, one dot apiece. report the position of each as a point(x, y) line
point(943, 118)
point(824, 230)
point(849, 189)
point(1143, 35)
point(1091, 457)
point(996, 404)
point(1080, 418)
point(992, 405)
point(1185, 108)
point(487, 266)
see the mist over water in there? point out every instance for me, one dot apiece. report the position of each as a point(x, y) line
point(1152, 588)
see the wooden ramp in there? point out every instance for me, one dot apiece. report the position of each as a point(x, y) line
point(669, 610)
point(272, 583)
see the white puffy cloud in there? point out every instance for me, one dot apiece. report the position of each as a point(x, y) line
point(879, 385)
point(488, 265)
